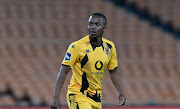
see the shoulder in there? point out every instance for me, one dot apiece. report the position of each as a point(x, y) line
point(78, 43)
point(109, 43)
point(82, 40)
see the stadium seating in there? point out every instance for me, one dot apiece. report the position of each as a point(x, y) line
point(34, 36)
point(166, 9)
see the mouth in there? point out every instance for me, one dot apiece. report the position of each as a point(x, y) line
point(93, 32)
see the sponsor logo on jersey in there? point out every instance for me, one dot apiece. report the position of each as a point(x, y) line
point(98, 65)
point(68, 56)
point(96, 73)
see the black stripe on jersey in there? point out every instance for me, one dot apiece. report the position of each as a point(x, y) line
point(85, 83)
point(113, 69)
point(96, 97)
point(84, 61)
point(70, 100)
point(66, 65)
point(102, 46)
point(70, 97)
point(110, 46)
point(77, 106)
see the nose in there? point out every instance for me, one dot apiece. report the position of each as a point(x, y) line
point(93, 26)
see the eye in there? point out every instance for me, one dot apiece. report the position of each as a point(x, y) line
point(97, 24)
point(90, 24)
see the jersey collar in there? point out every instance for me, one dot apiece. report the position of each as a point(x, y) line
point(87, 39)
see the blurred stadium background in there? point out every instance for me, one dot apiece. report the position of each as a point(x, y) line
point(35, 34)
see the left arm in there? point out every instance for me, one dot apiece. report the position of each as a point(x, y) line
point(116, 80)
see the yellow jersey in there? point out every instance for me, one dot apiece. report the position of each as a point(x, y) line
point(88, 63)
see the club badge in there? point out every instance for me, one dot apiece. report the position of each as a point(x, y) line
point(107, 50)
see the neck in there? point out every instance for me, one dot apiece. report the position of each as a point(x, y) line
point(96, 40)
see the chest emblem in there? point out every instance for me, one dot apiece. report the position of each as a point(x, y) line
point(107, 50)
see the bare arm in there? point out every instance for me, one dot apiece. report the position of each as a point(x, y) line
point(116, 79)
point(60, 80)
point(59, 83)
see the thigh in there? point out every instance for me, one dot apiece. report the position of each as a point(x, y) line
point(84, 105)
point(71, 101)
point(82, 102)
point(78, 102)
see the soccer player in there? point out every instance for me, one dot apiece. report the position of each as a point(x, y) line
point(88, 58)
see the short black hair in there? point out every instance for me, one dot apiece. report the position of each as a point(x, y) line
point(101, 15)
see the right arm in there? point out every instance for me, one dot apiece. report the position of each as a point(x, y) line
point(59, 83)
point(70, 59)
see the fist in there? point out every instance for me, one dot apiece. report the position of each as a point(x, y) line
point(122, 100)
point(55, 104)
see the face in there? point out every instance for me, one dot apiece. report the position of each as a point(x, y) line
point(96, 26)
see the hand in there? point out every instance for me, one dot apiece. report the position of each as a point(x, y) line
point(122, 100)
point(55, 104)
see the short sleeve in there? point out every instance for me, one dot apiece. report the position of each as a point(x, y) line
point(72, 55)
point(113, 62)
